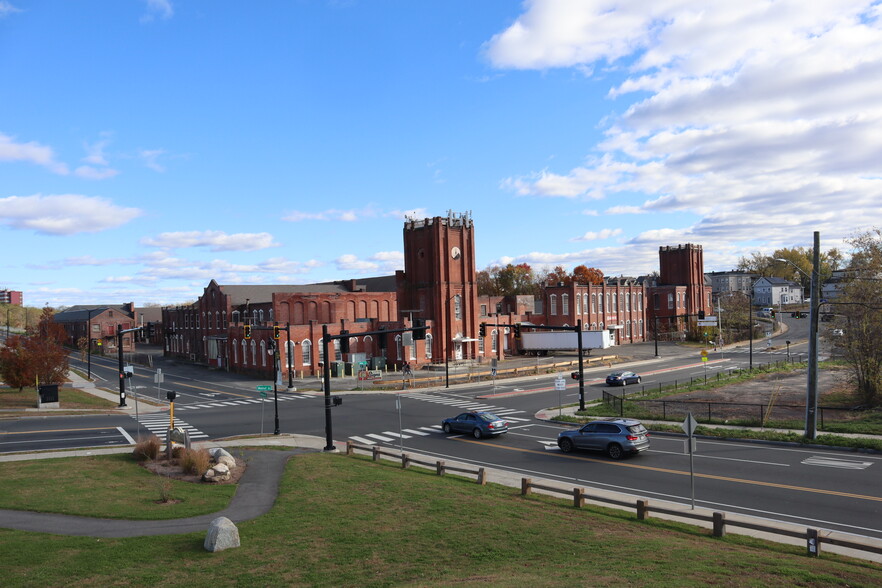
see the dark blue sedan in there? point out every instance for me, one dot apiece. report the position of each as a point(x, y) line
point(622, 379)
point(477, 424)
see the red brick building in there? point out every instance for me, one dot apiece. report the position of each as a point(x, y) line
point(438, 285)
point(681, 292)
point(11, 297)
point(99, 323)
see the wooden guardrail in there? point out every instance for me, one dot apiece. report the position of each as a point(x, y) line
point(441, 468)
point(813, 537)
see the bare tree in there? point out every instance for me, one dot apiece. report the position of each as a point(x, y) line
point(859, 312)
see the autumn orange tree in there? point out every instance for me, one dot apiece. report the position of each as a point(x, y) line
point(587, 275)
point(38, 357)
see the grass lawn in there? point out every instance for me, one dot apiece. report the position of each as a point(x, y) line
point(344, 521)
point(115, 485)
point(70, 398)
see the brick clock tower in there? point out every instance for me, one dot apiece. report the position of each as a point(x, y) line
point(438, 282)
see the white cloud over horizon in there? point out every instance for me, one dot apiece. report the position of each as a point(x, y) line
point(63, 214)
point(212, 240)
point(740, 108)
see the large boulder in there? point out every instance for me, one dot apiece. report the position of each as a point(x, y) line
point(222, 534)
point(221, 455)
point(217, 473)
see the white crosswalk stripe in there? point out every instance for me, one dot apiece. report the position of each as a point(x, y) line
point(414, 432)
point(284, 398)
point(379, 437)
point(158, 425)
point(394, 434)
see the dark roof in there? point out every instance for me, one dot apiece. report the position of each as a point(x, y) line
point(257, 294)
point(81, 312)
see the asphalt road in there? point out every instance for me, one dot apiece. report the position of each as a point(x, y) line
point(810, 486)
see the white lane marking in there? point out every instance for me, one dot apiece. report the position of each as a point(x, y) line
point(396, 434)
point(379, 437)
point(126, 435)
point(363, 440)
point(699, 454)
point(412, 431)
point(834, 462)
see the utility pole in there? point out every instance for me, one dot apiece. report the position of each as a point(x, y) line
point(811, 399)
point(122, 375)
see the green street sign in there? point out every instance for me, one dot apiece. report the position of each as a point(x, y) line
point(262, 394)
point(265, 388)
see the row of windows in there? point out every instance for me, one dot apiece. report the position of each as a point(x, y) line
point(218, 319)
point(256, 353)
point(613, 303)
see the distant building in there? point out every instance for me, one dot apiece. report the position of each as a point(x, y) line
point(11, 297)
point(772, 291)
point(99, 322)
point(680, 293)
point(733, 281)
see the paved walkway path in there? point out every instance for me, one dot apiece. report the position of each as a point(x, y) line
point(256, 493)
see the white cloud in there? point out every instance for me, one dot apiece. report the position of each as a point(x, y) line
point(602, 234)
point(92, 173)
point(754, 116)
point(150, 158)
point(31, 152)
point(345, 215)
point(385, 262)
point(63, 214)
point(212, 240)
point(158, 9)
point(7, 8)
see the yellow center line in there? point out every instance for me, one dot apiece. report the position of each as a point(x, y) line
point(683, 473)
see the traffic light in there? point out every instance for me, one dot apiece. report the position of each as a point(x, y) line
point(246, 331)
point(344, 342)
point(276, 331)
point(419, 329)
point(517, 330)
point(700, 315)
point(151, 330)
point(482, 330)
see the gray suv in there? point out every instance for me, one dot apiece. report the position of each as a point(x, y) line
point(616, 437)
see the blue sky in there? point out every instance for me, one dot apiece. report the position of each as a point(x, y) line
point(148, 146)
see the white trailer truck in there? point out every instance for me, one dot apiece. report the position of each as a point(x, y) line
point(542, 342)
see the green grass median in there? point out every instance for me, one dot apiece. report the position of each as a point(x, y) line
point(347, 521)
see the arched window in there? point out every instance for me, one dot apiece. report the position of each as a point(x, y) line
point(670, 300)
point(640, 328)
point(235, 317)
point(235, 349)
point(254, 352)
point(398, 347)
point(494, 335)
point(226, 324)
point(254, 316)
point(565, 304)
point(481, 345)
point(217, 319)
point(552, 304)
point(594, 303)
point(585, 303)
point(457, 307)
point(321, 351)
point(260, 314)
point(263, 353)
point(271, 315)
point(306, 348)
point(615, 301)
point(428, 346)
point(640, 301)
point(628, 329)
point(244, 352)
point(627, 302)
point(578, 304)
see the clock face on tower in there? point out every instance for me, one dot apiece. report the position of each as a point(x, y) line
point(455, 253)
